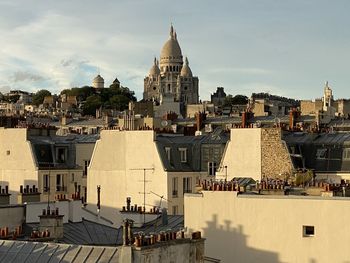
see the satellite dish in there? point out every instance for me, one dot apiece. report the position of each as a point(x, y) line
point(164, 123)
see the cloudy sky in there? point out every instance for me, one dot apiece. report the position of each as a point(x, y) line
point(288, 48)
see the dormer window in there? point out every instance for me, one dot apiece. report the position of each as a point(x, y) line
point(183, 155)
point(61, 154)
point(167, 153)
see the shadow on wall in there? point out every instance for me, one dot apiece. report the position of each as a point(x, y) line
point(229, 244)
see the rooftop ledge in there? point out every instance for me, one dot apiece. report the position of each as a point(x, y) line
point(257, 196)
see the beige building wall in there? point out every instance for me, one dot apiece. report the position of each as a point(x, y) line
point(242, 154)
point(343, 108)
point(68, 188)
point(18, 167)
point(255, 153)
point(117, 166)
point(269, 228)
point(307, 107)
point(83, 154)
point(17, 162)
point(259, 109)
point(11, 216)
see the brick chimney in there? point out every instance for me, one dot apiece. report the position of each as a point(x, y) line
point(293, 115)
point(200, 118)
point(53, 222)
point(4, 195)
point(28, 194)
point(246, 116)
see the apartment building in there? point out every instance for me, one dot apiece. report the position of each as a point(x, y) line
point(269, 228)
point(154, 170)
point(56, 165)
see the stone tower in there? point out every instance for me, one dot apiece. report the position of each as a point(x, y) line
point(327, 97)
point(172, 77)
point(98, 82)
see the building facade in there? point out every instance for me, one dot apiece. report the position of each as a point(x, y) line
point(53, 164)
point(271, 229)
point(259, 153)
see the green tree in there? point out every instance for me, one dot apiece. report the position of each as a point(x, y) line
point(115, 97)
point(236, 100)
point(91, 104)
point(38, 98)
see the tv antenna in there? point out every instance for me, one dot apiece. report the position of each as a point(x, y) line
point(160, 207)
point(144, 188)
point(161, 199)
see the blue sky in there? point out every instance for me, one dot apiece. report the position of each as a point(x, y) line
point(288, 48)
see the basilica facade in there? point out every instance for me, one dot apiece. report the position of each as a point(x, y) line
point(171, 79)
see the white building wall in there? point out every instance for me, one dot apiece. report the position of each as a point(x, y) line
point(17, 162)
point(270, 228)
point(242, 155)
point(116, 165)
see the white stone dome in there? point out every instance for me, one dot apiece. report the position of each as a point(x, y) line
point(154, 71)
point(171, 51)
point(98, 82)
point(186, 71)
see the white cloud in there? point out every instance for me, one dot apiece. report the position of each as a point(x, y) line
point(249, 71)
point(244, 49)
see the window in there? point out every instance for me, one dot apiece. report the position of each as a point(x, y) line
point(175, 209)
point(61, 155)
point(346, 154)
point(187, 185)
point(86, 165)
point(211, 168)
point(322, 153)
point(169, 88)
point(308, 231)
point(60, 183)
point(46, 183)
point(8, 152)
point(167, 152)
point(183, 155)
point(175, 186)
point(72, 178)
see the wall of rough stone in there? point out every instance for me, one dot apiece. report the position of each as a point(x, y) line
point(275, 159)
point(307, 107)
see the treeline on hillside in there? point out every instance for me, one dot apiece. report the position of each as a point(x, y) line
point(115, 97)
point(263, 95)
point(235, 100)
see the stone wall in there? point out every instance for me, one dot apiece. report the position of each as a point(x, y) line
point(307, 107)
point(343, 107)
point(259, 109)
point(275, 159)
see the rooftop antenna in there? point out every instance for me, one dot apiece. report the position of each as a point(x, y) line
point(144, 188)
point(160, 206)
point(161, 199)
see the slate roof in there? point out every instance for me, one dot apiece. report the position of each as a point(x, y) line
point(44, 149)
point(193, 146)
point(219, 120)
point(24, 251)
point(322, 152)
point(86, 233)
point(84, 123)
point(175, 223)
